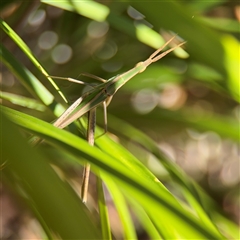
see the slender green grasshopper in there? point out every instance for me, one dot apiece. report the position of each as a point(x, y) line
point(102, 93)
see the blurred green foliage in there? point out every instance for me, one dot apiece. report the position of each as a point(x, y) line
point(187, 105)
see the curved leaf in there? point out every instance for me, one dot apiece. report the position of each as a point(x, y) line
point(140, 185)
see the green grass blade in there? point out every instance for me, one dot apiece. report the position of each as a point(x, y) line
point(232, 62)
point(23, 101)
point(149, 192)
point(201, 203)
point(100, 12)
point(121, 206)
point(31, 83)
point(103, 212)
point(114, 149)
point(13, 35)
point(144, 219)
point(198, 47)
point(57, 204)
point(90, 9)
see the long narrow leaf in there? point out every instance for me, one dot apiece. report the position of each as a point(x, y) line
point(204, 204)
point(149, 193)
point(32, 84)
point(34, 173)
point(14, 36)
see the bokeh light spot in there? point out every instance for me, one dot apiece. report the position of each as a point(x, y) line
point(144, 101)
point(97, 29)
point(47, 40)
point(230, 172)
point(61, 54)
point(37, 18)
point(107, 51)
point(172, 97)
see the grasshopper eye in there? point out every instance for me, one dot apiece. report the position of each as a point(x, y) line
point(140, 64)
